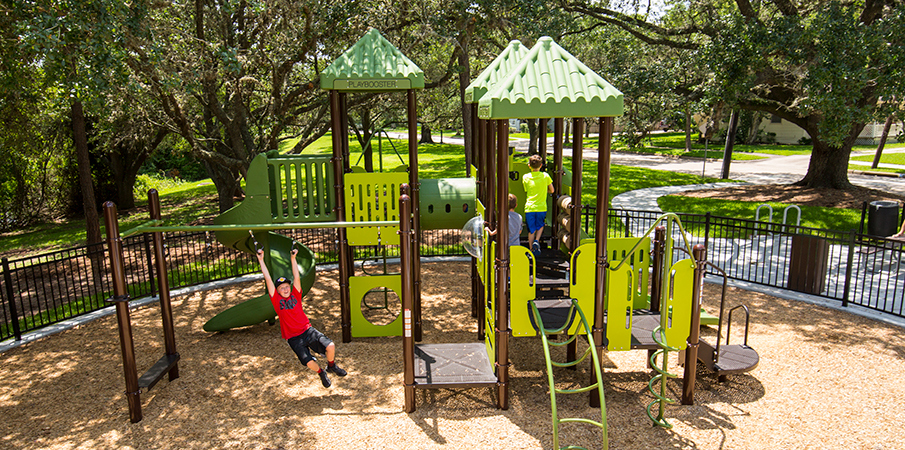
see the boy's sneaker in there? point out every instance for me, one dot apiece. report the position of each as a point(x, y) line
point(337, 370)
point(324, 380)
point(535, 248)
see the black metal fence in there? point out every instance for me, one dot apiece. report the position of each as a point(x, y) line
point(850, 267)
point(42, 290)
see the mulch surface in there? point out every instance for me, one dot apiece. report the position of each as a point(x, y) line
point(826, 379)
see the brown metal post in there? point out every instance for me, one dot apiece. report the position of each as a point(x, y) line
point(558, 172)
point(502, 264)
point(163, 284)
point(123, 319)
point(8, 290)
point(604, 146)
point(481, 158)
point(408, 286)
point(694, 336)
point(416, 209)
point(336, 123)
point(577, 154)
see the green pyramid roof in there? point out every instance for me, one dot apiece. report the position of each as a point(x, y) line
point(496, 71)
point(372, 64)
point(550, 83)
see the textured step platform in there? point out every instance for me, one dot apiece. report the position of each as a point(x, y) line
point(453, 366)
point(554, 313)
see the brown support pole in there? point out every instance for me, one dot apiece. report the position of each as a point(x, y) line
point(163, 285)
point(416, 209)
point(481, 158)
point(336, 123)
point(408, 286)
point(123, 319)
point(604, 147)
point(575, 231)
point(558, 173)
point(694, 336)
point(472, 147)
point(502, 265)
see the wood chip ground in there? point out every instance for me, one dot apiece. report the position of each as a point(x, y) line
point(826, 380)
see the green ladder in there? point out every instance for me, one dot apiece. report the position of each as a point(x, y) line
point(550, 364)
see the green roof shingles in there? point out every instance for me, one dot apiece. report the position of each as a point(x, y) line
point(372, 64)
point(496, 71)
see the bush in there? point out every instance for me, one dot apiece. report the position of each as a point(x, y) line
point(145, 182)
point(804, 141)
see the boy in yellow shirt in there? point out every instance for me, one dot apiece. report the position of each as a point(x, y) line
point(537, 185)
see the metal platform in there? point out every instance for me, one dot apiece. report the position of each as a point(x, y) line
point(453, 366)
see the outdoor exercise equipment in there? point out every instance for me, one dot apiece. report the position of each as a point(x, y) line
point(169, 362)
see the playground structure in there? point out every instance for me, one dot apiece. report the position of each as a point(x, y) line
point(598, 281)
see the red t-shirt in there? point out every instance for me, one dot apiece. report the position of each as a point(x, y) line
point(293, 320)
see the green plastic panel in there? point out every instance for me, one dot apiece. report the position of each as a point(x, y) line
point(619, 309)
point(521, 290)
point(373, 197)
point(358, 287)
point(255, 209)
point(498, 70)
point(446, 203)
point(675, 314)
point(639, 261)
point(550, 82)
point(583, 281)
point(301, 189)
point(372, 64)
point(490, 313)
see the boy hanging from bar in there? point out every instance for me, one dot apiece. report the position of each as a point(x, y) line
point(294, 324)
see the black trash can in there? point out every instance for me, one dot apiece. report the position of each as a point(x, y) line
point(883, 218)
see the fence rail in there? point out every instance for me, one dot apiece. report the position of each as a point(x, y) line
point(849, 267)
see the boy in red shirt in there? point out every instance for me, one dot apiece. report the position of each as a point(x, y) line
point(294, 324)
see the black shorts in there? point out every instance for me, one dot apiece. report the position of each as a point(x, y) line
point(309, 341)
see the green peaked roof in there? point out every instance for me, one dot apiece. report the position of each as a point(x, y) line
point(549, 83)
point(496, 71)
point(372, 64)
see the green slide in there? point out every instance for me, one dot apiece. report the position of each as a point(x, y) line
point(256, 209)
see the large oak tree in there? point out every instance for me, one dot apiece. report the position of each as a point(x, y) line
point(824, 65)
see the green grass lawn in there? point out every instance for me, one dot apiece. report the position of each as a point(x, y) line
point(811, 216)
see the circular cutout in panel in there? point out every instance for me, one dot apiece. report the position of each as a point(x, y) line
point(380, 306)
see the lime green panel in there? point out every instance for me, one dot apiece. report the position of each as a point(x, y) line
point(708, 319)
point(675, 315)
point(550, 82)
point(373, 197)
point(521, 290)
point(583, 281)
point(639, 261)
point(372, 64)
point(619, 309)
point(496, 71)
point(446, 203)
point(358, 287)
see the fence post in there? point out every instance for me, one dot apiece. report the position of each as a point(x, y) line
point(13, 312)
point(848, 267)
point(707, 230)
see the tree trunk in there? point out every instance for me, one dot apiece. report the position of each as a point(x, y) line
point(532, 136)
point(86, 184)
point(883, 137)
point(467, 131)
point(828, 167)
point(225, 180)
point(756, 118)
point(426, 134)
point(687, 129)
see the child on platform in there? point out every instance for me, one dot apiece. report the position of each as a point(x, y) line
point(537, 185)
point(294, 324)
point(515, 223)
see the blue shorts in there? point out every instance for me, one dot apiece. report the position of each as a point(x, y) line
point(309, 341)
point(535, 220)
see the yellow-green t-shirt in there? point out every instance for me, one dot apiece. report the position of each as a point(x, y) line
point(535, 184)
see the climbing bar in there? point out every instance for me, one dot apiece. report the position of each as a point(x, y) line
point(146, 228)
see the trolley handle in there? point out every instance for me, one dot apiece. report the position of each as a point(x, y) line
point(257, 246)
